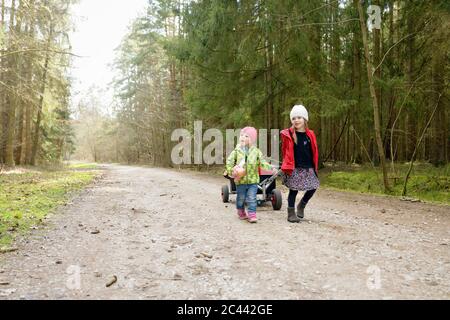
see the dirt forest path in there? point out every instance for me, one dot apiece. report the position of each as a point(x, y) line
point(166, 235)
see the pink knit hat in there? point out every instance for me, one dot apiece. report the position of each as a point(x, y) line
point(252, 133)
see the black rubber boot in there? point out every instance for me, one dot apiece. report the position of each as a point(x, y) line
point(292, 217)
point(301, 210)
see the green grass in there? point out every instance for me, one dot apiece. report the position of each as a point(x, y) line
point(27, 198)
point(426, 183)
point(83, 166)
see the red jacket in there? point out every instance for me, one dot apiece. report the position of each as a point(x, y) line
point(288, 143)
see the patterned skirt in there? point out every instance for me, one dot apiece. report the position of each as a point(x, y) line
point(301, 180)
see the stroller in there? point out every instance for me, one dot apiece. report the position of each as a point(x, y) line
point(267, 191)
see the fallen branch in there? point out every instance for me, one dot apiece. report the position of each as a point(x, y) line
point(364, 148)
point(339, 139)
point(8, 250)
point(395, 123)
point(392, 47)
point(418, 145)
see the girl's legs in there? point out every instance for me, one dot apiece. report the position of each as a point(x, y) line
point(252, 203)
point(308, 196)
point(292, 197)
point(292, 217)
point(241, 193)
point(240, 201)
point(247, 193)
point(302, 205)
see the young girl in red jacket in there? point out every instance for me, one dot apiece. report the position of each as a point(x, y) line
point(300, 162)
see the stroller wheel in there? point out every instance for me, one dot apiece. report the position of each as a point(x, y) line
point(277, 200)
point(225, 194)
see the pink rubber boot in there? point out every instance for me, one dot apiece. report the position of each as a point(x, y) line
point(252, 217)
point(242, 214)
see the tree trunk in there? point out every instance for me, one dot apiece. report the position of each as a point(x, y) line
point(376, 62)
point(3, 119)
point(373, 93)
point(11, 97)
point(41, 99)
point(440, 124)
point(28, 106)
point(269, 89)
point(357, 86)
point(20, 70)
point(20, 134)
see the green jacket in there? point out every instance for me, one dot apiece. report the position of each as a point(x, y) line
point(253, 161)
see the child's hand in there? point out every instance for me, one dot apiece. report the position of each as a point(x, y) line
point(274, 171)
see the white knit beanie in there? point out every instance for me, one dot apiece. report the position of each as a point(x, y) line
point(299, 111)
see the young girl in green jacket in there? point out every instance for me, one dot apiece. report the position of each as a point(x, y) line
point(243, 165)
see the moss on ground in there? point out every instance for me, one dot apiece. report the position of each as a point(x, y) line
point(28, 196)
